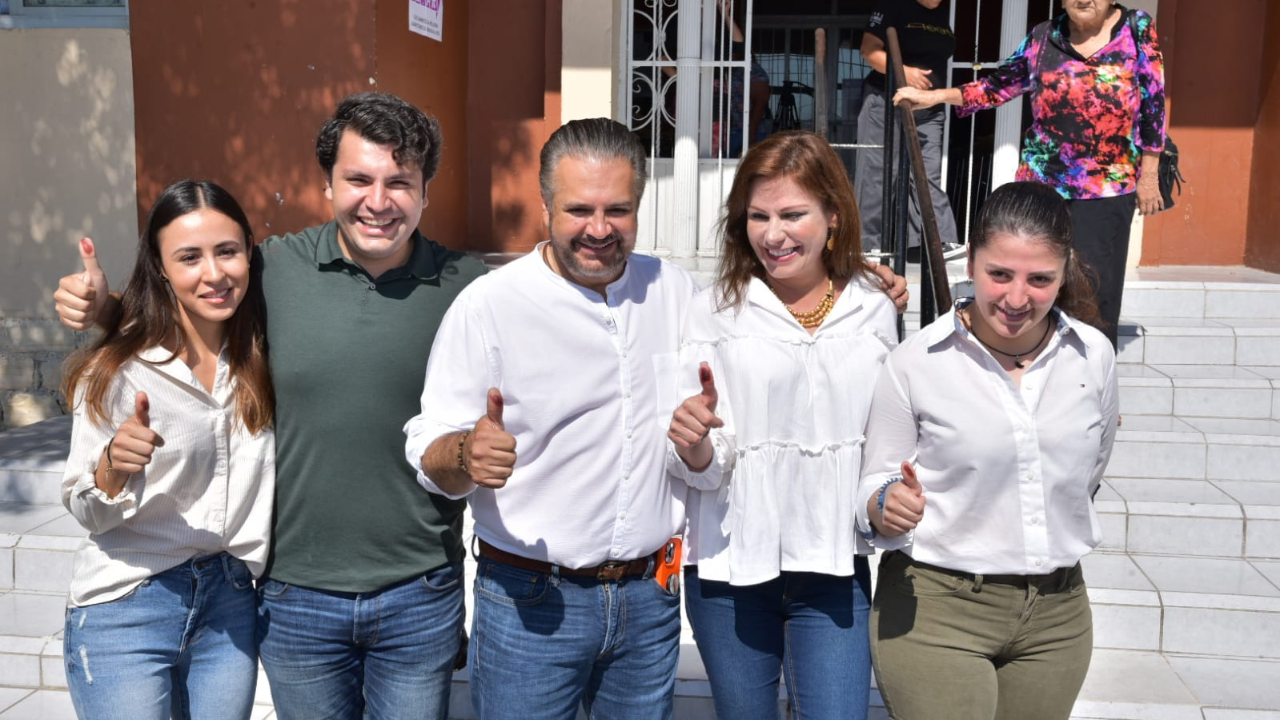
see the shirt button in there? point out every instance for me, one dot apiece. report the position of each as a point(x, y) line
point(629, 434)
point(1035, 521)
point(622, 515)
point(373, 286)
point(1038, 563)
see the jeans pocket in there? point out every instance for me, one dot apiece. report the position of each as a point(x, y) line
point(238, 574)
point(511, 586)
point(917, 581)
point(444, 578)
point(273, 588)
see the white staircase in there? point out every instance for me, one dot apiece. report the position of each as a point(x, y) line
point(1185, 591)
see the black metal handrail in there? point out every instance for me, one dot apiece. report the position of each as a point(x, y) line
point(935, 290)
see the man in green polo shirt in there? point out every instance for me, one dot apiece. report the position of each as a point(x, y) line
point(361, 608)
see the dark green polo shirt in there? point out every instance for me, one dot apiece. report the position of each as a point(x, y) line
point(348, 356)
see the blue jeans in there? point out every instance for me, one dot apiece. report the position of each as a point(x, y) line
point(181, 644)
point(340, 655)
point(543, 644)
point(811, 626)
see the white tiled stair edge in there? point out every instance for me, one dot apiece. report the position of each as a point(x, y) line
point(1199, 341)
point(1155, 299)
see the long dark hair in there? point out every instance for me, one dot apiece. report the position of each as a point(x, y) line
point(811, 163)
point(1036, 211)
point(150, 316)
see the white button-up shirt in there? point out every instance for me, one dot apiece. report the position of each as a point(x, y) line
point(579, 375)
point(781, 490)
point(208, 489)
point(1008, 472)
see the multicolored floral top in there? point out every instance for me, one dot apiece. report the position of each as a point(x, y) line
point(1092, 117)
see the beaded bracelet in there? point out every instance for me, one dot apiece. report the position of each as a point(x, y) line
point(462, 458)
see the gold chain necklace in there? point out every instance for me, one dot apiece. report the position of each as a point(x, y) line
point(813, 318)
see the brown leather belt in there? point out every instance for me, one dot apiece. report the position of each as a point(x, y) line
point(611, 571)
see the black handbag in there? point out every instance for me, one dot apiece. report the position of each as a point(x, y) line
point(1168, 176)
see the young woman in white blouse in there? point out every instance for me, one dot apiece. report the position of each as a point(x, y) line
point(789, 340)
point(172, 472)
point(989, 434)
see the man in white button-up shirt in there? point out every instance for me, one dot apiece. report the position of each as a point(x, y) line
point(559, 354)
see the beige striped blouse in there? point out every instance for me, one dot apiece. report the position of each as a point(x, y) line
point(209, 489)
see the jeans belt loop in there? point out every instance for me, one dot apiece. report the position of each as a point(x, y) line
point(977, 583)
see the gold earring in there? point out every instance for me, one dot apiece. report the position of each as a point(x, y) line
point(831, 240)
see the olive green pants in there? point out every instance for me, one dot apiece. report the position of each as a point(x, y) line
point(951, 646)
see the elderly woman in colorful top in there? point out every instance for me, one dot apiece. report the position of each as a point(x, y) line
point(172, 472)
point(785, 346)
point(1096, 80)
point(1004, 411)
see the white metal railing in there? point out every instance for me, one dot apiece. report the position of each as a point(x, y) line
point(680, 100)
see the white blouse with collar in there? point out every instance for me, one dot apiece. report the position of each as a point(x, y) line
point(781, 491)
point(1008, 471)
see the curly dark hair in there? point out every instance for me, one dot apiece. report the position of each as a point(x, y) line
point(386, 120)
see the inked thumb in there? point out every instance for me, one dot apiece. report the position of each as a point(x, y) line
point(142, 409)
point(909, 477)
point(493, 408)
point(90, 258)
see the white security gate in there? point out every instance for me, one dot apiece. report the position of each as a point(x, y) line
point(678, 71)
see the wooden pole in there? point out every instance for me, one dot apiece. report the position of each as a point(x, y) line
point(928, 218)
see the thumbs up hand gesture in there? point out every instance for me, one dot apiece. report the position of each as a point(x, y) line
point(903, 504)
point(694, 420)
point(130, 449)
point(490, 451)
point(80, 296)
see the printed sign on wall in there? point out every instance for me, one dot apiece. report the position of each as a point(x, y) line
point(426, 17)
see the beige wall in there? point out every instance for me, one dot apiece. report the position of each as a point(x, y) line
point(587, 74)
point(67, 151)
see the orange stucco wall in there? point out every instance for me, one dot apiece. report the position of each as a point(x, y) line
point(1213, 57)
point(513, 100)
point(234, 92)
point(1263, 246)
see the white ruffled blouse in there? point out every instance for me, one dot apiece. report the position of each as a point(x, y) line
point(781, 491)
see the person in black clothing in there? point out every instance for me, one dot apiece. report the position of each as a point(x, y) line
point(924, 34)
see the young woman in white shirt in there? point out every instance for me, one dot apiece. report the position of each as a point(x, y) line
point(989, 433)
point(172, 473)
point(782, 350)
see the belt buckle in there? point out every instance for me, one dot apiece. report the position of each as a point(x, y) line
point(612, 571)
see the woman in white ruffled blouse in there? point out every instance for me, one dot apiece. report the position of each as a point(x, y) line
point(786, 346)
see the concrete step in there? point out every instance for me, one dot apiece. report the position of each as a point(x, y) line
point(1219, 518)
point(1256, 295)
point(1213, 606)
point(1196, 448)
point(31, 462)
point(1226, 391)
point(1199, 341)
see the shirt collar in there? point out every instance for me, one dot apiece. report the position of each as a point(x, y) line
point(164, 361)
point(1062, 31)
point(612, 287)
point(421, 263)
